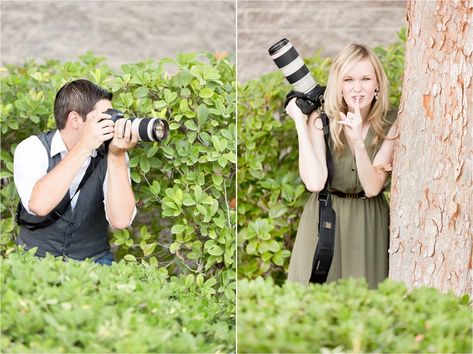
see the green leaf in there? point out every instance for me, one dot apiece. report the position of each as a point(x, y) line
point(174, 247)
point(183, 106)
point(206, 93)
point(155, 188)
point(178, 229)
point(217, 179)
point(144, 164)
point(135, 177)
point(189, 280)
point(160, 104)
point(186, 93)
point(127, 99)
point(202, 114)
point(152, 151)
point(141, 92)
point(198, 193)
point(222, 161)
point(130, 258)
point(199, 280)
point(169, 96)
point(190, 124)
point(149, 248)
point(174, 126)
point(216, 251)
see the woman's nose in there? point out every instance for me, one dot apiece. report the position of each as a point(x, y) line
point(357, 86)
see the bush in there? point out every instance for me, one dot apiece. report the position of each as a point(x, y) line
point(184, 186)
point(271, 195)
point(53, 306)
point(348, 317)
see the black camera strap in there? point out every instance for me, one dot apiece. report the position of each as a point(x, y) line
point(325, 246)
point(33, 222)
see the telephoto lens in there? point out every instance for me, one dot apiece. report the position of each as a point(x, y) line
point(148, 129)
point(288, 60)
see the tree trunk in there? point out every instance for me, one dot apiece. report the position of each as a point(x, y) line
point(431, 200)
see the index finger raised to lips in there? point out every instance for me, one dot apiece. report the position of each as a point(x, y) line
point(357, 106)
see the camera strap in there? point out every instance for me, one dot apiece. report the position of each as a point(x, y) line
point(325, 246)
point(33, 222)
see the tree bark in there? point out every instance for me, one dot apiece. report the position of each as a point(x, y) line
point(431, 197)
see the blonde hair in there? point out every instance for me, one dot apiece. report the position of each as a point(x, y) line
point(334, 102)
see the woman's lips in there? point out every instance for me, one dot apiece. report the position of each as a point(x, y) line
point(361, 98)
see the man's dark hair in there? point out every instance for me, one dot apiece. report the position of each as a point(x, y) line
point(79, 96)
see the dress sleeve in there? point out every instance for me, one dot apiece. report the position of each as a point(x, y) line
point(391, 118)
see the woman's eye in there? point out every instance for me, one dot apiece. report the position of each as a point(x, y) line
point(347, 79)
point(366, 78)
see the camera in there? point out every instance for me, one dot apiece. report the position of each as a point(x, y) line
point(148, 129)
point(309, 94)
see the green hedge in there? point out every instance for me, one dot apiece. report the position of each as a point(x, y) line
point(348, 317)
point(52, 306)
point(184, 186)
point(271, 195)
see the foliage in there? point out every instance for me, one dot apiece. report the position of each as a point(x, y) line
point(270, 193)
point(53, 306)
point(348, 317)
point(183, 186)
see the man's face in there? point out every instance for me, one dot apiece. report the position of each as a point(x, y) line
point(98, 109)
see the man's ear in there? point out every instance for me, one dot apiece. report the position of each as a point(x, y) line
point(74, 119)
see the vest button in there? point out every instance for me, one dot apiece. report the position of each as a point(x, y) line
point(68, 245)
point(71, 224)
point(69, 236)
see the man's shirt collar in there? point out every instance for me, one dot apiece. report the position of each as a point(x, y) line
point(58, 146)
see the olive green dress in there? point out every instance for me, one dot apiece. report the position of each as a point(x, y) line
point(361, 231)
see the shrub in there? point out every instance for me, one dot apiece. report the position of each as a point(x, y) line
point(184, 186)
point(348, 317)
point(53, 306)
point(270, 193)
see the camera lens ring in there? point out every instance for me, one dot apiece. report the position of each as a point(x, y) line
point(291, 64)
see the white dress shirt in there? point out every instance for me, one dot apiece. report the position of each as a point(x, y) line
point(31, 164)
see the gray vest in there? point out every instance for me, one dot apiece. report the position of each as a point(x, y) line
point(81, 232)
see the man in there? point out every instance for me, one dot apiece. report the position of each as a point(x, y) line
point(49, 168)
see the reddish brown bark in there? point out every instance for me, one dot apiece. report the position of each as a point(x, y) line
point(431, 200)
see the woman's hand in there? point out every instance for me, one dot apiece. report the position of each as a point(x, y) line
point(353, 124)
point(295, 112)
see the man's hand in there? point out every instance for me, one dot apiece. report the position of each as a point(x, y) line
point(120, 200)
point(123, 138)
point(98, 128)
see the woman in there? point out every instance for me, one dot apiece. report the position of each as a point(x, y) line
point(362, 144)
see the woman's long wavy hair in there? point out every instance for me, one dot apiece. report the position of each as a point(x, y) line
point(334, 102)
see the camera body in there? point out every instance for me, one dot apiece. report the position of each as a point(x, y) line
point(309, 94)
point(148, 129)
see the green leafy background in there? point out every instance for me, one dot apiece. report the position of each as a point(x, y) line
point(271, 195)
point(185, 186)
